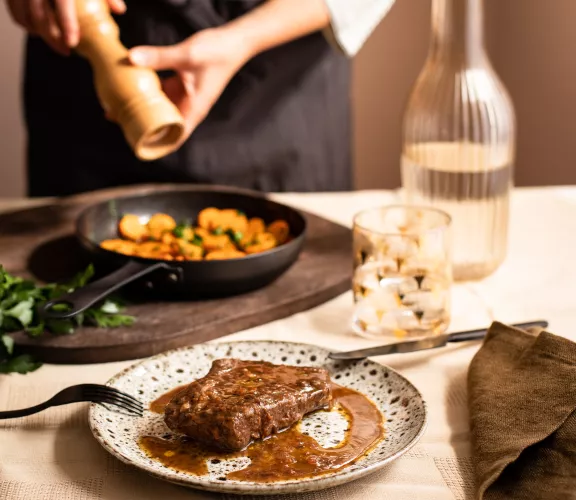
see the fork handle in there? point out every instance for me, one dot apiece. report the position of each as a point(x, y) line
point(25, 411)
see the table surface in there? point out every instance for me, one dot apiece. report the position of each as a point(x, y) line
point(52, 455)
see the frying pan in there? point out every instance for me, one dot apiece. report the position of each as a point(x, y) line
point(188, 279)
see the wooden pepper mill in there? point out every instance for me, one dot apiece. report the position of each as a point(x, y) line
point(130, 95)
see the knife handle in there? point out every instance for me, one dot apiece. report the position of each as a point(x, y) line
point(479, 334)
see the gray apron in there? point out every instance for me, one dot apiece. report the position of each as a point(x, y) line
point(282, 124)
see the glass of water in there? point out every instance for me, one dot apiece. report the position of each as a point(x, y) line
point(402, 272)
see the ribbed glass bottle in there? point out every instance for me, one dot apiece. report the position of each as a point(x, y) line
point(459, 139)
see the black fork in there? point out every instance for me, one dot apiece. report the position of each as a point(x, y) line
point(94, 393)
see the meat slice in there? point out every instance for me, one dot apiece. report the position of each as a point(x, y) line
point(240, 401)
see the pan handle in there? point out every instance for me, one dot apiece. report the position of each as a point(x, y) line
point(85, 297)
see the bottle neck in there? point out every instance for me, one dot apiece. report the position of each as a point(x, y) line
point(458, 32)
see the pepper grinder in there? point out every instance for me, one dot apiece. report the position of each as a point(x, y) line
point(131, 96)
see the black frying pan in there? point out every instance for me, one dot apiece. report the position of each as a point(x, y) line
point(190, 279)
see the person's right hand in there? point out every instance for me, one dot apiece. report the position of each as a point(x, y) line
point(53, 20)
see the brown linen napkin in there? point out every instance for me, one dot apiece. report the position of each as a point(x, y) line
point(522, 399)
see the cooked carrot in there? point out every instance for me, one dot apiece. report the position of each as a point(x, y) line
point(215, 242)
point(224, 255)
point(239, 224)
point(200, 231)
point(153, 246)
point(112, 244)
point(129, 248)
point(160, 223)
point(183, 232)
point(227, 216)
point(229, 220)
point(263, 242)
point(167, 238)
point(152, 250)
point(280, 230)
point(230, 246)
point(120, 246)
point(132, 229)
point(256, 225)
point(190, 251)
point(228, 213)
point(209, 218)
point(221, 234)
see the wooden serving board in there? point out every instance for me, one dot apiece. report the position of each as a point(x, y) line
point(39, 243)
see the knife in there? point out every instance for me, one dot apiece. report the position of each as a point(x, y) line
point(427, 343)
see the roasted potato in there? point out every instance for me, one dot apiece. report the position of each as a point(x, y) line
point(159, 224)
point(132, 229)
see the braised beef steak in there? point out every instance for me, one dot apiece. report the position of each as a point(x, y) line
point(240, 401)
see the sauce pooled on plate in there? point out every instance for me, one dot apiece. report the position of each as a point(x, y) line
point(290, 454)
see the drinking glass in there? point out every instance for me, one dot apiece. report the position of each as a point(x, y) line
point(402, 272)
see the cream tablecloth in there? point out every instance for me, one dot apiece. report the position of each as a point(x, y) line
point(52, 456)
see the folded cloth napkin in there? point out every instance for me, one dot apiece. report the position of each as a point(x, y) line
point(522, 399)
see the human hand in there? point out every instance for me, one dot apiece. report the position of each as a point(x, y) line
point(204, 65)
point(53, 20)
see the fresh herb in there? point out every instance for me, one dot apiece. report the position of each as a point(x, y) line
point(218, 231)
point(8, 344)
point(235, 236)
point(183, 231)
point(19, 299)
point(20, 364)
point(197, 240)
point(108, 316)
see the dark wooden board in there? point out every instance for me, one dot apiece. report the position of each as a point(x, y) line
point(39, 243)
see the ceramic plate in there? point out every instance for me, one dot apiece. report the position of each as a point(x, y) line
point(400, 402)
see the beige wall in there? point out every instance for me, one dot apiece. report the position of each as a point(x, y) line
point(532, 43)
point(11, 127)
point(533, 46)
point(384, 72)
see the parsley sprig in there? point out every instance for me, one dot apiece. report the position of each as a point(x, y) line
point(19, 299)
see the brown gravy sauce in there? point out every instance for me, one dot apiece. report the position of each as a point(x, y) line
point(287, 455)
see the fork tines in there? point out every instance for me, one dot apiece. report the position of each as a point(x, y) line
point(110, 395)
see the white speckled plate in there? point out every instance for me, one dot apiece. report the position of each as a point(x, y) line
point(400, 402)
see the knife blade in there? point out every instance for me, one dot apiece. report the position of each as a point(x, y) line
point(426, 343)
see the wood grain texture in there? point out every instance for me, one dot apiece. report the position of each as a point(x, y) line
point(39, 242)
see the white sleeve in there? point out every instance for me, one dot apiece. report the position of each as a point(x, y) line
point(353, 21)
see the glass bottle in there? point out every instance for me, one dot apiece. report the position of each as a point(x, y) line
point(459, 139)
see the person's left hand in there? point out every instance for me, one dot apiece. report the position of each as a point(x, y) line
point(204, 64)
